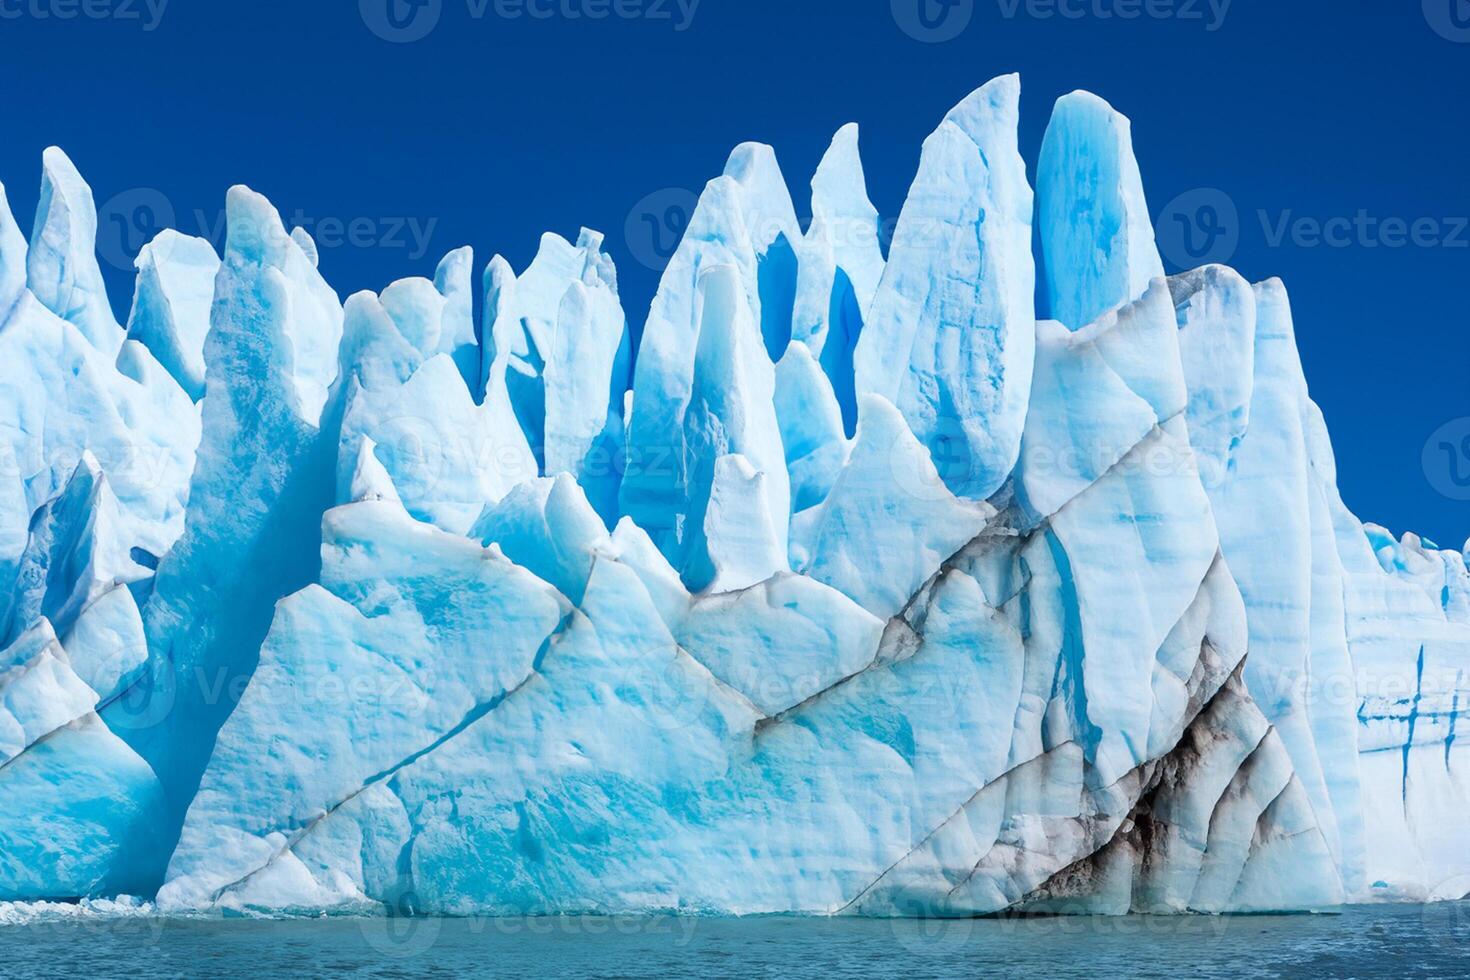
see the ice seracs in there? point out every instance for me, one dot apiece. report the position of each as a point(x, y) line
point(812, 426)
point(1096, 233)
point(61, 267)
point(263, 479)
point(739, 252)
point(856, 588)
point(13, 253)
point(171, 305)
point(889, 521)
point(842, 266)
point(951, 333)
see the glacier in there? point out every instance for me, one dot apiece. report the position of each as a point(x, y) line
point(999, 573)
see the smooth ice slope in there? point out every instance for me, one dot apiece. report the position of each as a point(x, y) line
point(855, 589)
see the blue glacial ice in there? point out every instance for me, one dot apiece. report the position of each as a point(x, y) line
point(854, 587)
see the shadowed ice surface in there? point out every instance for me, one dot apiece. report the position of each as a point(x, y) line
point(1369, 941)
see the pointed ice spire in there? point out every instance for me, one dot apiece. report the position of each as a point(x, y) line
point(841, 206)
point(268, 284)
point(417, 309)
point(811, 427)
point(526, 310)
point(842, 265)
point(307, 244)
point(588, 371)
point(40, 695)
point(631, 546)
point(62, 268)
point(744, 222)
point(12, 258)
point(653, 487)
point(769, 211)
point(1215, 309)
point(370, 481)
point(951, 336)
point(75, 554)
point(498, 283)
point(521, 332)
point(447, 452)
point(432, 317)
point(889, 520)
point(268, 438)
point(374, 358)
point(171, 305)
point(731, 411)
point(373, 351)
point(1096, 233)
point(454, 278)
point(547, 527)
point(775, 233)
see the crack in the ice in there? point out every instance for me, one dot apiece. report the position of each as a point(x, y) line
point(945, 823)
point(1413, 723)
point(1149, 774)
point(475, 714)
point(912, 618)
point(1152, 785)
point(1449, 742)
point(42, 740)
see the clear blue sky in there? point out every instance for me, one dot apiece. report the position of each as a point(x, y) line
point(499, 125)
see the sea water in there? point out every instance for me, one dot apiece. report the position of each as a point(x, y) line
point(127, 941)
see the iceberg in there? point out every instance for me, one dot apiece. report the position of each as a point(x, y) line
point(859, 584)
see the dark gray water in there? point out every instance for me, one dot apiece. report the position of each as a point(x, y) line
point(1397, 941)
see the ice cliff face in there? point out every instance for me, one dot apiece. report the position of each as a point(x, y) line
point(854, 589)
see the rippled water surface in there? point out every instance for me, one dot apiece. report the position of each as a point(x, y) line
point(1389, 941)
